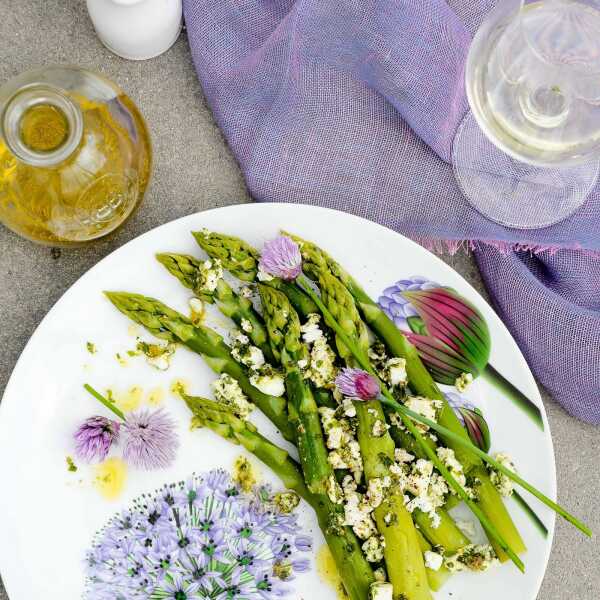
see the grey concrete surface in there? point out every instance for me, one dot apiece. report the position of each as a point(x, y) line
point(194, 170)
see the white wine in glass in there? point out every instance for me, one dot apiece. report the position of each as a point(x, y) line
point(533, 84)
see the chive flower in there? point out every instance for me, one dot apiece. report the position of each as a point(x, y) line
point(150, 439)
point(357, 384)
point(281, 258)
point(202, 538)
point(95, 437)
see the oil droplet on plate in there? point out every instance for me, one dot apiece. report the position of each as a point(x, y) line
point(110, 477)
point(156, 396)
point(131, 400)
point(328, 572)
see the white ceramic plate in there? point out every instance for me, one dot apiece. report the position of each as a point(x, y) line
point(48, 516)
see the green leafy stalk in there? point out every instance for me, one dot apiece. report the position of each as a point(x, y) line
point(110, 405)
point(241, 260)
point(283, 326)
point(355, 572)
point(166, 323)
point(188, 270)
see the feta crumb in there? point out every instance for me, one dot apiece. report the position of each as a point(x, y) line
point(379, 428)
point(402, 456)
point(157, 355)
point(348, 407)
point(502, 482)
point(268, 381)
point(228, 391)
point(396, 371)
point(428, 489)
point(286, 502)
point(472, 558)
point(433, 560)
point(425, 407)
point(448, 458)
point(302, 364)
point(357, 515)
point(380, 575)
point(321, 370)
point(207, 276)
point(373, 548)
point(247, 326)
point(245, 353)
point(463, 382)
point(334, 490)
point(246, 292)
point(311, 332)
point(381, 591)
point(345, 450)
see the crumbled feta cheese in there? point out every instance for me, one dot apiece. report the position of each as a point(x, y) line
point(321, 370)
point(395, 369)
point(380, 575)
point(246, 292)
point(311, 332)
point(448, 458)
point(196, 306)
point(345, 451)
point(433, 560)
point(207, 276)
point(402, 456)
point(348, 407)
point(425, 407)
point(286, 502)
point(157, 355)
point(263, 276)
point(245, 353)
point(302, 364)
point(502, 482)
point(348, 484)
point(375, 491)
point(472, 558)
point(357, 514)
point(381, 591)
point(428, 489)
point(379, 428)
point(247, 326)
point(228, 391)
point(463, 382)
point(334, 490)
point(373, 548)
point(268, 381)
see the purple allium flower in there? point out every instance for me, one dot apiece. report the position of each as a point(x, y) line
point(195, 549)
point(357, 384)
point(150, 439)
point(281, 258)
point(94, 438)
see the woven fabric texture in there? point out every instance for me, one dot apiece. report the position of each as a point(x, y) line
point(354, 105)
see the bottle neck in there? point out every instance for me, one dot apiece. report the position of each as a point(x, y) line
point(41, 125)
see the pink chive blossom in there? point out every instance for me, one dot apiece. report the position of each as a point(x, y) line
point(357, 384)
point(94, 438)
point(281, 258)
point(150, 439)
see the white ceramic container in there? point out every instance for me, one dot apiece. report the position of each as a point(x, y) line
point(137, 29)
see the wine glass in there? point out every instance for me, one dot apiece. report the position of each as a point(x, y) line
point(528, 153)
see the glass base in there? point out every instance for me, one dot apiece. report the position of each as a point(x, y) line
point(514, 193)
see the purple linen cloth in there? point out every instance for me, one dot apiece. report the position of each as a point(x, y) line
point(354, 105)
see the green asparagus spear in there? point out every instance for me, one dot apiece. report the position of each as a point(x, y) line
point(285, 336)
point(317, 264)
point(241, 260)
point(341, 305)
point(166, 323)
point(189, 271)
point(355, 572)
point(403, 557)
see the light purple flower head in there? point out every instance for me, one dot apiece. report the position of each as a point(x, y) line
point(94, 438)
point(357, 384)
point(150, 439)
point(281, 258)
